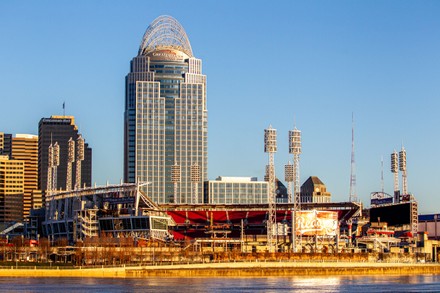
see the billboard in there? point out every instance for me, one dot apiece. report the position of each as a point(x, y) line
point(319, 223)
point(394, 215)
point(381, 201)
point(380, 198)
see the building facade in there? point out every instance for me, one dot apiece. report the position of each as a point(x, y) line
point(236, 190)
point(25, 148)
point(60, 129)
point(314, 190)
point(5, 144)
point(11, 189)
point(165, 119)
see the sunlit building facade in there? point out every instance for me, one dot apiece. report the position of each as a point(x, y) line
point(11, 189)
point(236, 190)
point(59, 129)
point(5, 144)
point(25, 148)
point(314, 190)
point(165, 120)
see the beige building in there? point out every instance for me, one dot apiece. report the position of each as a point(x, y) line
point(236, 190)
point(11, 189)
point(25, 148)
point(314, 190)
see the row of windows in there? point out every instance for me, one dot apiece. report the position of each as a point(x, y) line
point(168, 66)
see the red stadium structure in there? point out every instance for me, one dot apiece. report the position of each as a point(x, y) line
point(201, 221)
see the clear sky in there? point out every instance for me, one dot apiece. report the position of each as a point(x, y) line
point(281, 63)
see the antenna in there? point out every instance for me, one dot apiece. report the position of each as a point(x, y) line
point(381, 176)
point(353, 196)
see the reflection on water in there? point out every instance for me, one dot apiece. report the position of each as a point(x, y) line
point(306, 285)
point(418, 283)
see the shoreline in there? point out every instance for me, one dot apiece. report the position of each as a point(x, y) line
point(239, 269)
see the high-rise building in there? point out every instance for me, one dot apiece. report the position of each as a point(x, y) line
point(60, 129)
point(25, 148)
point(314, 190)
point(165, 120)
point(11, 189)
point(5, 144)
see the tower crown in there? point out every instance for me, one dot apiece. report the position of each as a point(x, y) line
point(165, 33)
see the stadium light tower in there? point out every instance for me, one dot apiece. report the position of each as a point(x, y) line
point(79, 159)
point(395, 171)
point(295, 149)
point(49, 170)
point(175, 178)
point(195, 178)
point(270, 147)
point(70, 160)
point(56, 163)
point(402, 168)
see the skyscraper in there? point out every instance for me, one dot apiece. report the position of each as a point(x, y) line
point(5, 144)
point(59, 129)
point(25, 148)
point(11, 189)
point(166, 118)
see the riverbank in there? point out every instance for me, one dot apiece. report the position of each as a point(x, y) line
point(231, 269)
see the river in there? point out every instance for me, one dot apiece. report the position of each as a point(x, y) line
point(417, 283)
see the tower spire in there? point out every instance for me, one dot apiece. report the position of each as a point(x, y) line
point(353, 195)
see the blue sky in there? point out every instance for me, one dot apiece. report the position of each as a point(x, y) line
point(281, 63)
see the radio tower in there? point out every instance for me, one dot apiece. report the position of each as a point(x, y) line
point(295, 149)
point(353, 196)
point(395, 171)
point(270, 147)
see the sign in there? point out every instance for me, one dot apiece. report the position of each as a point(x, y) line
point(119, 200)
point(381, 201)
point(320, 223)
point(168, 55)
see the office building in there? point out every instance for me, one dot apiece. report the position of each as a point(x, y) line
point(60, 129)
point(236, 190)
point(11, 189)
point(25, 148)
point(314, 190)
point(165, 119)
point(5, 144)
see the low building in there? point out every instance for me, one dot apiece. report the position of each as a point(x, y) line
point(429, 224)
point(235, 190)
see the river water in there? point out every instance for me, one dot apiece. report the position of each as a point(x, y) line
point(418, 283)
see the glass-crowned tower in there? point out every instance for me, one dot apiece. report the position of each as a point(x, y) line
point(166, 118)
